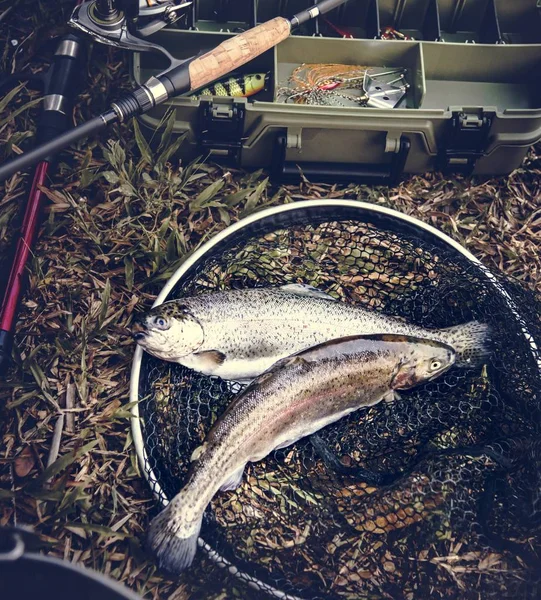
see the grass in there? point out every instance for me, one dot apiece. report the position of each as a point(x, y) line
point(120, 220)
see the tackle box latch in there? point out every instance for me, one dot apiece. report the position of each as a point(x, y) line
point(466, 141)
point(221, 128)
point(286, 171)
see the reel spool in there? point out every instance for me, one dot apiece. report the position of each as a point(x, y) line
point(463, 450)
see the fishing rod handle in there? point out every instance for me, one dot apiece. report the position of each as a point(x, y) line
point(62, 85)
point(237, 51)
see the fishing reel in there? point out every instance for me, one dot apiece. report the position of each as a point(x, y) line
point(126, 23)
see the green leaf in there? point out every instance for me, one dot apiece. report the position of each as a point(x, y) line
point(116, 155)
point(142, 144)
point(88, 176)
point(238, 197)
point(224, 215)
point(38, 373)
point(207, 194)
point(253, 177)
point(164, 228)
point(9, 97)
point(170, 150)
point(21, 400)
point(101, 529)
point(166, 135)
point(16, 139)
point(111, 177)
point(171, 248)
point(255, 196)
point(127, 190)
point(19, 110)
point(63, 463)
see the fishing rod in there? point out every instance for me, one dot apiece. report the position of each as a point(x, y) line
point(107, 24)
point(59, 91)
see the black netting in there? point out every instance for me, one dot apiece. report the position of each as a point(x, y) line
point(458, 509)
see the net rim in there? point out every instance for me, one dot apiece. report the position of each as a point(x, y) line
point(363, 208)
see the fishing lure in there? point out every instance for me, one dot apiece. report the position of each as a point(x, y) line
point(325, 84)
point(242, 86)
point(344, 85)
point(390, 33)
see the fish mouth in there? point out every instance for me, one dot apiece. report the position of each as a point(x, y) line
point(138, 332)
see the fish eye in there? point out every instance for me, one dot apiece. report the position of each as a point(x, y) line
point(258, 77)
point(435, 365)
point(160, 322)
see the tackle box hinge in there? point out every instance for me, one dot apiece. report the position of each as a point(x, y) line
point(466, 141)
point(221, 128)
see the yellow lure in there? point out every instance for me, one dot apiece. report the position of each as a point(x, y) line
point(243, 86)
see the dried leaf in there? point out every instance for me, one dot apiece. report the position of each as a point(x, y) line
point(105, 297)
point(25, 462)
point(129, 271)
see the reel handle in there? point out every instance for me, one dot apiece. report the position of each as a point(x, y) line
point(237, 51)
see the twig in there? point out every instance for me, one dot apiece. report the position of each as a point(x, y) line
point(57, 436)
point(70, 403)
point(5, 13)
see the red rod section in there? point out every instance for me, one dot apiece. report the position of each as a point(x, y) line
point(8, 311)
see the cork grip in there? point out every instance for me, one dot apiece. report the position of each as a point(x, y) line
point(237, 51)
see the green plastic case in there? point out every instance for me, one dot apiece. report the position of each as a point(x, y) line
point(474, 103)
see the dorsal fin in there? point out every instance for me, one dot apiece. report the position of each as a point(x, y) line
point(303, 289)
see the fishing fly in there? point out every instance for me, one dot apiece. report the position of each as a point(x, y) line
point(344, 85)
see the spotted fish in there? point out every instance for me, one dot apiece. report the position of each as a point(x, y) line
point(295, 398)
point(238, 334)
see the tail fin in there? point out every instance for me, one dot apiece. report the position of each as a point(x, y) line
point(471, 342)
point(173, 541)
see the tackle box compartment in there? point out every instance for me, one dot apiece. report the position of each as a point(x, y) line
point(473, 104)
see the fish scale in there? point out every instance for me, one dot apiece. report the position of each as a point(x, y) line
point(297, 397)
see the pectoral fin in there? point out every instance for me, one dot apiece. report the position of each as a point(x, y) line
point(196, 454)
point(287, 443)
point(404, 376)
point(209, 360)
point(233, 482)
point(391, 396)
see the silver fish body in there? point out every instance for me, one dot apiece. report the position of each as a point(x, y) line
point(295, 398)
point(239, 334)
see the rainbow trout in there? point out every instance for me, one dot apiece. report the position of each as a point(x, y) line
point(295, 398)
point(239, 334)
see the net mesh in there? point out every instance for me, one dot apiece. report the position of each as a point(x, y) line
point(457, 510)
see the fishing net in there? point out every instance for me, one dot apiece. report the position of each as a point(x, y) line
point(457, 509)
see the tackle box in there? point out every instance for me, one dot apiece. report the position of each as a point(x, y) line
point(473, 104)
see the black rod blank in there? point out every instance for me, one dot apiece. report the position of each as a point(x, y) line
point(51, 148)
